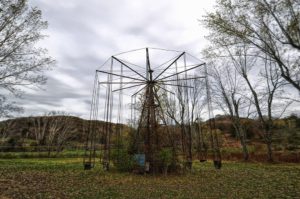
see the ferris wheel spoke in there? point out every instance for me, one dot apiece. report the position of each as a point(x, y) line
point(182, 71)
point(165, 89)
point(177, 85)
point(127, 87)
point(169, 66)
point(139, 91)
point(101, 71)
point(165, 62)
point(129, 67)
point(175, 80)
point(140, 82)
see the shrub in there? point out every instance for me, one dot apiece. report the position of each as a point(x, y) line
point(122, 160)
point(165, 157)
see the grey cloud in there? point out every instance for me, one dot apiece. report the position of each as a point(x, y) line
point(82, 35)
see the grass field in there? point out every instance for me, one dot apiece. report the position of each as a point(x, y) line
point(65, 178)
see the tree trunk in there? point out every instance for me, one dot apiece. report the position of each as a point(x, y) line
point(190, 154)
point(244, 146)
point(241, 135)
point(270, 153)
point(49, 151)
point(269, 146)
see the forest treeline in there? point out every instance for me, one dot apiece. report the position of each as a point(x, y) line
point(54, 133)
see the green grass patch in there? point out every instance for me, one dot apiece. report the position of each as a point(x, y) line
point(65, 178)
point(229, 150)
point(42, 154)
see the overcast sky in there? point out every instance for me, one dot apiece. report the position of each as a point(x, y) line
point(83, 34)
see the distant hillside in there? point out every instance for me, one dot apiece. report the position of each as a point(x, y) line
point(72, 131)
point(43, 129)
point(24, 127)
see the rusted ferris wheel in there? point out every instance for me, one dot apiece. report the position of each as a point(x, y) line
point(148, 89)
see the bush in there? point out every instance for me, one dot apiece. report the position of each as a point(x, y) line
point(12, 145)
point(165, 157)
point(122, 160)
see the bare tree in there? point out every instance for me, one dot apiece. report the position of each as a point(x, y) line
point(53, 130)
point(21, 62)
point(198, 100)
point(273, 27)
point(7, 108)
point(5, 127)
point(180, 115)
point(39, 128)
point(226, 87)
point(181, 108)
point(60, 129)
point(197, 97)
point(271, 83)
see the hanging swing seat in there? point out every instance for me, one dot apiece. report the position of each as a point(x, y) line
point(88, 166)
point(217, 164)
